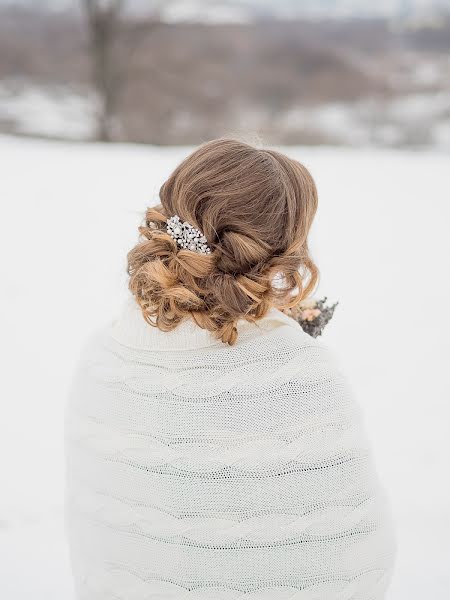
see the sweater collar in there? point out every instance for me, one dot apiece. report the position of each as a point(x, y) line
point(131, 329)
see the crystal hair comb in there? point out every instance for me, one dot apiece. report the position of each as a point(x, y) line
point(187, 236)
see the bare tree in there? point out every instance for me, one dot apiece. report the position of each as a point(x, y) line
point(103, 22)
point(113, 39)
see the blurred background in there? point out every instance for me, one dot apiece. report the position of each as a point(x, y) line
point(340, 72)
point(100, 100)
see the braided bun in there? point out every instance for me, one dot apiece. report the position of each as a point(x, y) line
point(255, 207)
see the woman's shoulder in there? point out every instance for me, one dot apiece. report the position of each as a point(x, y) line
point(269, 352)
point(288, 338)
point(276, 337)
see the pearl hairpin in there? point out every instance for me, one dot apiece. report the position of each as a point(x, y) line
point(187, 236)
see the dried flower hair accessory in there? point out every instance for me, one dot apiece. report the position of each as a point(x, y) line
point(313, 315)
point(187, 236)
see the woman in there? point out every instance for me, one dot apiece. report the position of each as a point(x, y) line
point(214, 450)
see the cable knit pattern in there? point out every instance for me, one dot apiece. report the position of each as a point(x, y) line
point(200, 471)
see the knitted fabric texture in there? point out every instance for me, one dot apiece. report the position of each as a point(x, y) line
point(196, 470)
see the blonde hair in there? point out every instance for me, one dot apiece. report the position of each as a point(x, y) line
point(255, 207)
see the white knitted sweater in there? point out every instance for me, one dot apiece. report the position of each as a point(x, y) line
point(197, 470)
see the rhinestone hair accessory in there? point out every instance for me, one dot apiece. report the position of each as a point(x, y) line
point(187, 236)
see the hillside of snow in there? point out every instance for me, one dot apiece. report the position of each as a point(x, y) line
point(69, 215)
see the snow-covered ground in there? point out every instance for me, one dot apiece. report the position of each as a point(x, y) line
point(47, 110)
point(68, 216)
point(420, 119)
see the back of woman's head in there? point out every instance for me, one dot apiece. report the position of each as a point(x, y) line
point(255, 208)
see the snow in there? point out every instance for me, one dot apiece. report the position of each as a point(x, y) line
point(48, 110)
point(416, 119)
point(69, 215)
point(372, 122)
